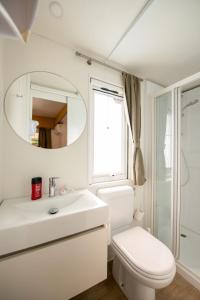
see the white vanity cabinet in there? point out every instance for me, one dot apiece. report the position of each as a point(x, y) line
point(56, 271)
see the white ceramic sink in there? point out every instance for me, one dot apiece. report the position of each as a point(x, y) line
point(25, 223)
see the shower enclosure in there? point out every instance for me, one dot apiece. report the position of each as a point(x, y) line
point(176, 173)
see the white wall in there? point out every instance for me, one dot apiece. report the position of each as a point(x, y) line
point(1, 116)
point(21, 161)
point(18, 109)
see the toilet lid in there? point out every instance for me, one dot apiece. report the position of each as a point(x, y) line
point(144, 251)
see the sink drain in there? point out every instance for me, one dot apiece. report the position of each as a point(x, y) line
point(53, 211)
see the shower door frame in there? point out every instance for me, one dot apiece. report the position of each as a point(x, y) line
point(174, 228)
point(175, 89)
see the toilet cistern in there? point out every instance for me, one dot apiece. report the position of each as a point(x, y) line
point(52, 186)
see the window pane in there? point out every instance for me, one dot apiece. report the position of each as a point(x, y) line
point(108, 135)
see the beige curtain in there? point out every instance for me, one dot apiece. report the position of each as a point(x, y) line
point(132, 92)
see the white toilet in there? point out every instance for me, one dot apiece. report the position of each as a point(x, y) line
point(141, 262)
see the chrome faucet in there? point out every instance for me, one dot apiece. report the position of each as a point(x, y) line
point(52, 186)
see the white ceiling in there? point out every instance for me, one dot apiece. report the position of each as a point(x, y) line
point(91, 25)
point(162, 46)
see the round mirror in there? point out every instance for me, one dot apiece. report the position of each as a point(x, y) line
point(45, 110)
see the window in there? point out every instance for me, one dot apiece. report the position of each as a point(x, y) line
point(108, 133)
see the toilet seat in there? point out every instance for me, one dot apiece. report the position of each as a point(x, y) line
point(147, 258)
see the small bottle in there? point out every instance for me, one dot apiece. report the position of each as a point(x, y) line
point(36, 188)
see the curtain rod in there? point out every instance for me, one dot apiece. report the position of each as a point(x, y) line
point(90, 60)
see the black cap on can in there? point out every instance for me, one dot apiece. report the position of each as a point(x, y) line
point(36, 180)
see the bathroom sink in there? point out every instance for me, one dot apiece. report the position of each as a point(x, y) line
point(25, 223)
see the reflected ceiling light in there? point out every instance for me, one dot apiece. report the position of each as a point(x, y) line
point(56, 9)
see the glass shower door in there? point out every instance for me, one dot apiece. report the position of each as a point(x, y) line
point(163, 168)
point(190, 180)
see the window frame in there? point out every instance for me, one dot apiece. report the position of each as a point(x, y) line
point(105, 178)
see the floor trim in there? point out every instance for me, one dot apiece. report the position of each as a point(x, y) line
point(188, 275)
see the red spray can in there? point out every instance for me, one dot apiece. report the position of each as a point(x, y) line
point(36, 188)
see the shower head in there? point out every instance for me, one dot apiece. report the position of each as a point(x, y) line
point(193, 102)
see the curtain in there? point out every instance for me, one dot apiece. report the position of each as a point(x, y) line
point(44, 138)
point(132, 92)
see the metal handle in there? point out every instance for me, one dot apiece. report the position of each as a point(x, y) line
point(19, 96)
point(52, 180)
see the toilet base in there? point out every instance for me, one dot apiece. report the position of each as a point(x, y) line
point(132, 288)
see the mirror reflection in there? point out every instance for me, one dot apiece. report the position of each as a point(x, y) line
point(45, 110)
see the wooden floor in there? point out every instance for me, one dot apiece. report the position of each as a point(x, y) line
point(179, 289)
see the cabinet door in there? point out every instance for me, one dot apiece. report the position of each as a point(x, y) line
point(57, 271)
